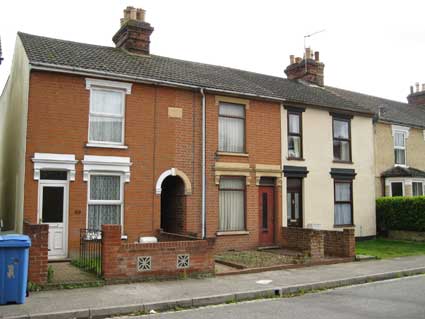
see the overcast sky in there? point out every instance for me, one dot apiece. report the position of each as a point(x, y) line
point(374, 47)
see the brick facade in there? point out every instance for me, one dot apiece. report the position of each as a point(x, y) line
point(58, 123)
point(120, 260)
point(38, 233)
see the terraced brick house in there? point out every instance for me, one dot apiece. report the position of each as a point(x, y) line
point(96, 135)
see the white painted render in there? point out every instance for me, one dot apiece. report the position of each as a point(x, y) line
point(318, 186)
point(13, 126)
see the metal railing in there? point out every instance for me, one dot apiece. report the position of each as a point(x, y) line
point(90, 251)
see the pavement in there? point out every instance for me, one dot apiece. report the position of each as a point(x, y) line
point(397, 298)
point(112, 300)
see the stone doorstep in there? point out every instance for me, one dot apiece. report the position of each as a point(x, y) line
point(220, 299)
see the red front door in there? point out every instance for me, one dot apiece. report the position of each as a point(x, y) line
point(266, 215)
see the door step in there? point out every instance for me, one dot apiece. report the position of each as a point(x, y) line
point(268, 247)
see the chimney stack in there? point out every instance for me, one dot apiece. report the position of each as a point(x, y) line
point(134, 33)
point(417, 95)
point(309, 69)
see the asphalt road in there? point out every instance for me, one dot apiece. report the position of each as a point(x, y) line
point(399, 298)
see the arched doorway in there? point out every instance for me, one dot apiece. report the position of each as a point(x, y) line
point(173, 205)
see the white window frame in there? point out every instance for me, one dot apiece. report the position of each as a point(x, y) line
point(107, 86)
point(400, 130)
point(106, 202)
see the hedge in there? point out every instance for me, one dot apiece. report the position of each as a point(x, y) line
point(400, 213)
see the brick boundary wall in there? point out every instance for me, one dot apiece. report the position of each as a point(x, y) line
point(320, 243)
point(121, 261)
point(38, 252)
point(340, 243)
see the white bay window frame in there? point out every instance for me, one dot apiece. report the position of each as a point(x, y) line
point(107, 86)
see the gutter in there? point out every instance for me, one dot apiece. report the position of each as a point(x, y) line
point(203, 206)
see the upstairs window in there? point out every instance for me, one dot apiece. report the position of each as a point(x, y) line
point(231, 128)
point(106, 116)
point(400, 148)
point(294, 135)
point(341, 139)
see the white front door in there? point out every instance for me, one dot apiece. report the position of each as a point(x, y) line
point(53, 210)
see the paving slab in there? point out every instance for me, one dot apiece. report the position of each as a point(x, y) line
point(155, 293)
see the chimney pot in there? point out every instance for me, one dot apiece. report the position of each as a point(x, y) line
point(423, 87)
point(307, 53)
point(291, 59)
point(411, 89)
point(317, 56)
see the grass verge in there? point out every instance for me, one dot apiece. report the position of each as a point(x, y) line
point(385, 248)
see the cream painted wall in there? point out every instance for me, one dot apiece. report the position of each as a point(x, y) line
point(318, 186)
point(384, 149)
point(13, 126)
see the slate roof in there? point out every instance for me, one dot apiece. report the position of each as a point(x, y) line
point(117, 61)
point(399, 171)
point(391, 111)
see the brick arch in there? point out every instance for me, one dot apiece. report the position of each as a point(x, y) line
point(174, 172)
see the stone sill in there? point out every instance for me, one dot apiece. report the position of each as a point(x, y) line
point(345, 226)
point(342, 162)
point(232, 233)
point(124, 147)
point(232, 154)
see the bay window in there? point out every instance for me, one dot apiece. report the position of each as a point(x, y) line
point(231, 127)
point(232, 204)
point(417, 188)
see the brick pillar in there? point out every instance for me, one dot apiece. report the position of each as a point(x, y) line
point(349, 242)
point(38, 253)
point(317, 245)
point(111, 243)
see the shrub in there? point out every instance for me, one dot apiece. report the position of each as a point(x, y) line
point(400, 213)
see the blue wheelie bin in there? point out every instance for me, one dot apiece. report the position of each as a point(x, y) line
point(14, 254)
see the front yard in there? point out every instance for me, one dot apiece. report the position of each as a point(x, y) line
point(385, 248)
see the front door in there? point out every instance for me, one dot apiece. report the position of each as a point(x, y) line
point(266, 215)
point(294, 202)
point(53, 210)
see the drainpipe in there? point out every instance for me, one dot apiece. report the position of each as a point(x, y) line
point(203, 206)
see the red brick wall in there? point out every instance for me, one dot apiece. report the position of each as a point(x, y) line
point(307, 240)
point(119, 260)
point(340, 243)
point(320, 243)
point(58, 123)
point(37, 268)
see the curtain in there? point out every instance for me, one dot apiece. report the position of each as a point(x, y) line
point(294, 146)
point(106, 116)
point(289, 206)
point(104, 187)
point(231, 128)
point(399, 139)
point(340, 129)
point(103, 214)
point(231, 204)
point(418, 189)
point(400, 156)
point(342, 150)
point(342, 210)
point(294, 123)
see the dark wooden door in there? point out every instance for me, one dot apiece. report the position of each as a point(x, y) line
point(266, 215)
point(294, 202)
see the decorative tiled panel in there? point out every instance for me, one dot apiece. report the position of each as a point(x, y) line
point(183, 261)
point(144, 263)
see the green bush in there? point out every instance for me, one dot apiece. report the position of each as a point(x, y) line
point(400, 213)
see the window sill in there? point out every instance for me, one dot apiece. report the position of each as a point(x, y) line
point(342, 162)
point(295, 159)
point(345, 226)
point(232, 154)
point(123, 147)
point(232, 233)
point(124, 237)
